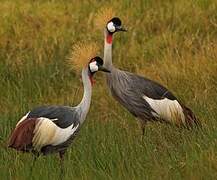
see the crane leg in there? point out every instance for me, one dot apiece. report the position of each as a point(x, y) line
point(61, 155)
point(143, 125)
point(143, 129)
point(32, 165)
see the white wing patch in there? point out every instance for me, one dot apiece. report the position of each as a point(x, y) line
point(169, 110)
point(23, 118)
point(48, 133)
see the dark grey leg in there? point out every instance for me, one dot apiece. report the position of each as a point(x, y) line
point(32, 166)
point(61, 155)
point(143, 125)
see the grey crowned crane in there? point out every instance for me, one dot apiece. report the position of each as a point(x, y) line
point(51, 129)
point(147, 100)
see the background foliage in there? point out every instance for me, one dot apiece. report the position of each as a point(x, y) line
point(172, 42)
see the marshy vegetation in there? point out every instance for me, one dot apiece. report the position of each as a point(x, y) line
point(174, 43)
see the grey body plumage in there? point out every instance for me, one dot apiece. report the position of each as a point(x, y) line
point(129, 90)
point(62, 116)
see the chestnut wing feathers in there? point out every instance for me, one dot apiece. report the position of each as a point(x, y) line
point(21, 137)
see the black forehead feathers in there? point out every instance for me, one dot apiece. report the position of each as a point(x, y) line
point(116, 21)
point(98, 60)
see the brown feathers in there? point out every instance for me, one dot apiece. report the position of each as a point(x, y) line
point(103, 16)
point(82, 54)
point(190, 118)
point(21, 137)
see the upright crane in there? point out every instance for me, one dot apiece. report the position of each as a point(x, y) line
point(51, 129)
point(147, 100)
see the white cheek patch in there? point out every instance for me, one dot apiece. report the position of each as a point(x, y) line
point(111, 27)
point(93, 67)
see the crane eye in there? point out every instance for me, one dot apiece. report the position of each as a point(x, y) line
point(111, 27)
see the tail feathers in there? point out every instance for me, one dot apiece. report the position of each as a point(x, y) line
point(21, 137)
point(190, 119)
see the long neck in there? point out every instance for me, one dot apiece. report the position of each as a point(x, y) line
point(84, 105)
point(108, 50)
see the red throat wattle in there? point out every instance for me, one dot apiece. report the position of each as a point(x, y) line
point(109, 39)
point(92, 80)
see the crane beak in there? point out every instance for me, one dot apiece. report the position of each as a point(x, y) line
point(101, 68)
point(121, 29)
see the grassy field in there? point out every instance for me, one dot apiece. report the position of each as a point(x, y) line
point(173, 42)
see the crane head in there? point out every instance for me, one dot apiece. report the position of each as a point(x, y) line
point(96, 64)
point(114, 25)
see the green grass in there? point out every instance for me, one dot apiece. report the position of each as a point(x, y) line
point(174, 43)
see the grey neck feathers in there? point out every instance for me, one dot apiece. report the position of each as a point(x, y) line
point(84, 105)
point(107, 52)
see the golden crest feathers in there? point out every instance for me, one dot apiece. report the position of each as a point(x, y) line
point(82, 54)
point(103, 16)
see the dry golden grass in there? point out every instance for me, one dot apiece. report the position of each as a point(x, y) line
point(172, 42)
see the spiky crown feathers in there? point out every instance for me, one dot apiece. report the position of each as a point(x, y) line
point(103, 16)
point(82, 54)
